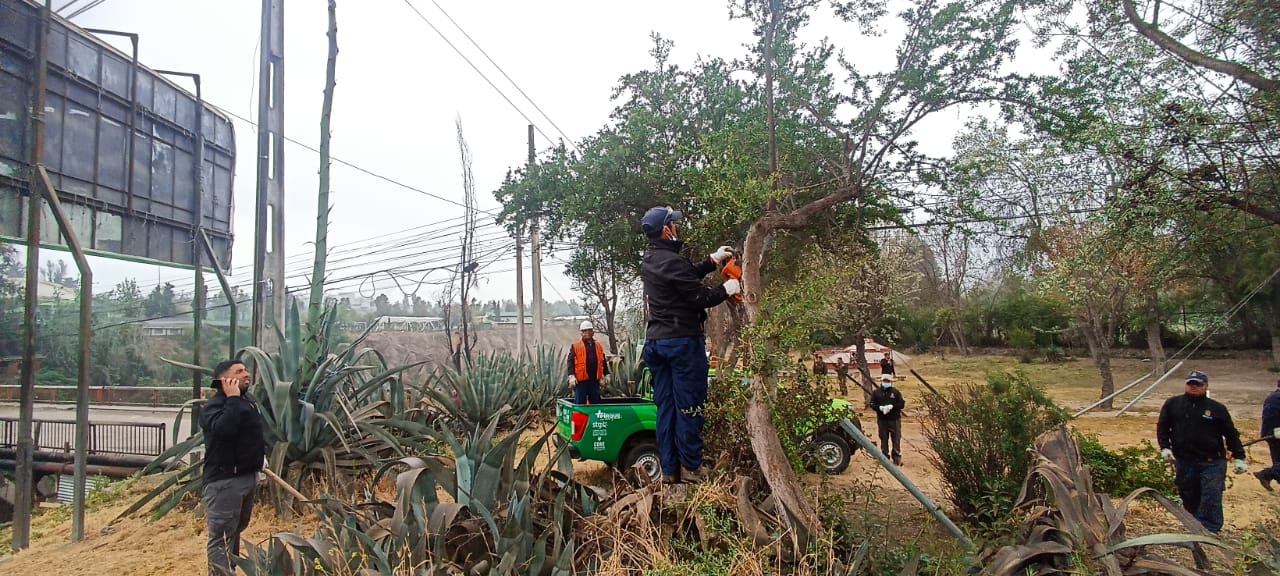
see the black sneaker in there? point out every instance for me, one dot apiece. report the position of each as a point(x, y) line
point(1266, 482)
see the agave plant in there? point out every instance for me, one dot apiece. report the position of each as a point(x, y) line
point(346, 413)
point(1072, 529)
point(545, 368)
point(499, 518)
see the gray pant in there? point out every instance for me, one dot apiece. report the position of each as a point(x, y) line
point(891, 430)
point(228, 506)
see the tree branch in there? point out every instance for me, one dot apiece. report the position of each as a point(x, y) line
point(1173, 46)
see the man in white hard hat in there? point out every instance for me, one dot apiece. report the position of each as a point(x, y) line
point(587, 366)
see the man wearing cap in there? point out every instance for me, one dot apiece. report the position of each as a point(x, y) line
point(675, 347)
point(888, 404)
point(1192, 431)
point(1271, 431)
point(587, 367)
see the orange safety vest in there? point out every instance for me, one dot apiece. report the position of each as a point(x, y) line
point(580, 361)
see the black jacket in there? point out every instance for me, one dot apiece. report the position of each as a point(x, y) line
point(1270, 414)
point(674, 291)
point(1195, 428)
point(233, 440)
point(891, 395)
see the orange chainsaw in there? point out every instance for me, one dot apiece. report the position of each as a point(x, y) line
point(732, 271)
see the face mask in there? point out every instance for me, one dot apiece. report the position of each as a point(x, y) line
point(886, 385)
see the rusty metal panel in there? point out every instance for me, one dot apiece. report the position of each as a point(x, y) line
point(90, 106)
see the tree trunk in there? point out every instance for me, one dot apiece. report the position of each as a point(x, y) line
point(867, 381)
point(1101, 354)
point(1152, 308)
point(793, 506)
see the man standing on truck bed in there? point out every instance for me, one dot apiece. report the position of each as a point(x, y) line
point(587, 366)
point(675, 349)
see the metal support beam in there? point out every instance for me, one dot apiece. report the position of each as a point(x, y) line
point(86, 338)
point(1104, 399)
point(197, 209)
point(933, 509)
point(1148, 390)
point(23, 484)
point(133, 104)
point(226, 290)
point(268, 263)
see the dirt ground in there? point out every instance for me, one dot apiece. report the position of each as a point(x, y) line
point(175, 544)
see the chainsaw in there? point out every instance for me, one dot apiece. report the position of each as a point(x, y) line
point(733, 271)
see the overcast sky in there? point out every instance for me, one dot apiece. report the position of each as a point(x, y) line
point(400, 89)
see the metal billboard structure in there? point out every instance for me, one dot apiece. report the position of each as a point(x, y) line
point(127, 164)
point(121, 154)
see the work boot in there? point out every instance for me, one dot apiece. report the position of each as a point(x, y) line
point(897, 460)
point(670, 479)
point(1266, 482)
point(691, 476)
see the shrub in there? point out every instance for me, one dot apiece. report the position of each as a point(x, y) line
point(1131, 468)
point(980, 439)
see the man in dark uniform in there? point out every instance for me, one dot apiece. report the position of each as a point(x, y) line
point(234, 453)
point(675, 349)
point(587, 366)
point(888, 404)
point(1192, 431)
point(1271, 431)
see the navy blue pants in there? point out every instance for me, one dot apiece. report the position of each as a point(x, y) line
point(587, 392)
point(1274, 471)
point(679, 367)
point(1200, 486)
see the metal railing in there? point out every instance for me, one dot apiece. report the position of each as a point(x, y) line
point(136, 439)
point(105, 395)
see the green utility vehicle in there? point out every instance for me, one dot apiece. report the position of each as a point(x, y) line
point(620, 432)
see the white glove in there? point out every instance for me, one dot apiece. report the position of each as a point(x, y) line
point(1240, 466)
point(886, 409)
point(732, 286)
point(573, 381)
point(1167, 454)
point(1276, 433)
point(721, 253)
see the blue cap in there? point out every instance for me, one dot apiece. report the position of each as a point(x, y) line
point(1197, 377)
point(655, 219)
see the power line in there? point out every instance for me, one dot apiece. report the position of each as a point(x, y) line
point(504, 75)
point(337, 160)
point(473, 67)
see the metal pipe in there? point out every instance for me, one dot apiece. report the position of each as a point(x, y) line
point(23, 481)
point(123, 460)
point(197, 212)
point(226, 289)
point(133, 106)
point(116, 472)
point(1104, 399)
point(1144, 393)
point(86, 339)
point(933, 509)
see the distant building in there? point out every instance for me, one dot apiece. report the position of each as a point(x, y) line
point(408, 323)
point(170, 327)
point(509, 319)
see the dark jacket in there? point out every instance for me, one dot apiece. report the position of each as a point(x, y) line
point(890, 395)
point(674, 291)
point(233, 440)
point(1270, 415)
point(1195, 428)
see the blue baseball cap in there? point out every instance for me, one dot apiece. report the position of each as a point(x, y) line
point(1197, 377)
point(656, 218)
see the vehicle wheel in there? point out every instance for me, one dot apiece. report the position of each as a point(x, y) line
point(831, 452)
point(642, 462)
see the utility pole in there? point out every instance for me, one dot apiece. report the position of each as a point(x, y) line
point(23, 484)
point(535, 248)
point(519, 294)
point(268, 259)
